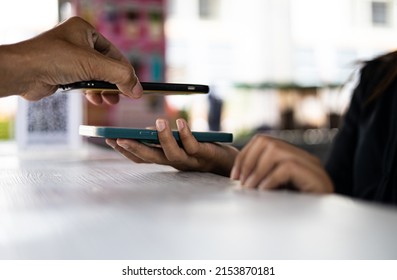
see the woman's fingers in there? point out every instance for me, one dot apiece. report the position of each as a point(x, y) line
point(131, 156)
point(186, 154)
point(170, 147)
point(142, 151)
point(190, 144)
point(246, 161)
point(98, 97)
point(304, 178)
point(266, 162)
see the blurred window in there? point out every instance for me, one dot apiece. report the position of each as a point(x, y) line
point(171, 8)
point(380, 13)
point(346, 62)
point(305, 66)
point(208, 9)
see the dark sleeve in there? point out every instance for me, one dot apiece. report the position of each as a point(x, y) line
point(340, 161)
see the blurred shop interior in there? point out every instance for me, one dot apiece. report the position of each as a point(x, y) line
point(282, 67)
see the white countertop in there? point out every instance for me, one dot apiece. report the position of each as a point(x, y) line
point(94, 204)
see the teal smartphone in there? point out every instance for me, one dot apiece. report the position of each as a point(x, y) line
point(160, 88)
point(149, 135)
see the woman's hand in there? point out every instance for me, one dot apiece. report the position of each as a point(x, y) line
point(268, 163)
point(264, 163)
point(72, 51)
point(194, 156)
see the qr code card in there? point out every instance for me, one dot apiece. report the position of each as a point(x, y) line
point(53, 120)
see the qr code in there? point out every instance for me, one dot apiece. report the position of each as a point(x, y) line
point(49, 115)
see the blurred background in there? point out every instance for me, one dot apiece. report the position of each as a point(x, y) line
point(283, 67)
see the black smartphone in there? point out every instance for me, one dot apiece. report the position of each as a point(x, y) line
point(148, 135)
point(148, 87)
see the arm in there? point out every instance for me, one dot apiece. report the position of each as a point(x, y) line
point(72, 51)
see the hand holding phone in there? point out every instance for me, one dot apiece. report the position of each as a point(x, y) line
point(159, 88)
point(193, 154)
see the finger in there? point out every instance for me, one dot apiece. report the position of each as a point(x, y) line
point(94, 97)
point(274, 153)
point(146, 153)
point(127, 151)
point(99, 67)
point(255, 159)
point(279, 176)
point(129, 155)
point(190, 144)
point(278, 150)
point(113, 143)
point(302, 177)
point(294, 152)
point(127, 81)
point(199, 154)
point(104, 46)
point(247, 160)
point(168, 142)
point(262, 168)
point(110, 98)
point(98, 97)
point(236, 170)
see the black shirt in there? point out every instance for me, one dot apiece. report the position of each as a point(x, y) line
point(362, 160)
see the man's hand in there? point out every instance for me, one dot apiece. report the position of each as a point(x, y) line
point(72, 51)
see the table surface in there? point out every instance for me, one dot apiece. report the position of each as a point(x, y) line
point(94, 204)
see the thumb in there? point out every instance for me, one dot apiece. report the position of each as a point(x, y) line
point(120, 73)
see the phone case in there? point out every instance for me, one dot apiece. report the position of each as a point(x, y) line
point(148, 135)
point(162, 88)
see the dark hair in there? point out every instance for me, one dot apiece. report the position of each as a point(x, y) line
point(383, 74)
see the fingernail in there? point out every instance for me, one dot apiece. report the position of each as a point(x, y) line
point(265, 184)
point(125, 147)
point(180, 124)
point(122, 145)
point(160, 125)
point(111, 143)
point(249, 182)
point(242, 180)
point(137, 90)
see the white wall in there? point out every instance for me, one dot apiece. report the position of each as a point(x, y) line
point(21, 19)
